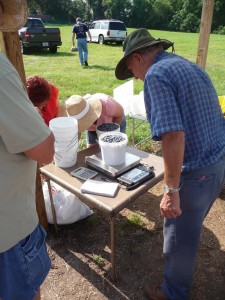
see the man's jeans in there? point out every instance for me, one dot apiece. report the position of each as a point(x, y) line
point(199, 190)
point(82, 50)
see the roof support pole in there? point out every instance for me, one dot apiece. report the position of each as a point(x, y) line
point(205, 29)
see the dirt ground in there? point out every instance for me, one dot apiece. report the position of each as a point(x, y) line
point(81, 254)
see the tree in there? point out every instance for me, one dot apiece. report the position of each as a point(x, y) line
point(179, 15)
point(98, 10)
point(187, 18)
point(218, 15)
point(59, 9)
point(163, 12)
point(140, 14)
point(116, 9)
point(77, 9)
point(37, 7)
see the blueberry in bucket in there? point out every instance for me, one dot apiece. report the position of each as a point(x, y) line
point(108, 127)
point(112, 138)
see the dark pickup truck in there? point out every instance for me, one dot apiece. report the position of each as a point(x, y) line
point(35, 35)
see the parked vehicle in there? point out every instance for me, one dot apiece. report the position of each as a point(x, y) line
point(35, 35)
point(103, 31)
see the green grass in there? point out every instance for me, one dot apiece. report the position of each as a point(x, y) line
point(98, 260)
point(63, 69)
point(133, 220)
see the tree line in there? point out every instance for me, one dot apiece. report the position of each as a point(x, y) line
point(174, 15)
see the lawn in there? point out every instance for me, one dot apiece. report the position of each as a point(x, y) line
point(63, 69)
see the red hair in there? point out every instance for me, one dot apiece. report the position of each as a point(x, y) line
point(38, 89)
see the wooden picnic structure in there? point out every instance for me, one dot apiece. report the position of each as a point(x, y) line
point(10, 45)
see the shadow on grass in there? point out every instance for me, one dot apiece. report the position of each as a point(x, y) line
point(47, 53)
point(113, 45)
point(102, 68)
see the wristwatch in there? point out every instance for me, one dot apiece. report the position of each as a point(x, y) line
point(170, 190)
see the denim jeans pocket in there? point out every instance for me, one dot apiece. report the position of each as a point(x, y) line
point(36, 255)
point(196, 192)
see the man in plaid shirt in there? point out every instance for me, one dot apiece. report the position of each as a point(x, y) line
point(183, 109)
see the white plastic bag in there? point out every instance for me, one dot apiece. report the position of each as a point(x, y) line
point(68, 207)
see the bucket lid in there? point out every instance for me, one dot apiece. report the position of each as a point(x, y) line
point(63, 123)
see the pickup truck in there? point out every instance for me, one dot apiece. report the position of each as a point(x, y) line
point(35, 35)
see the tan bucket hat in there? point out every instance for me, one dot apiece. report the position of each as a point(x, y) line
point(135, 41)
point(15, 14)
point(86, 112)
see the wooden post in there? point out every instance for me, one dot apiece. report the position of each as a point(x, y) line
point(205, 29)
point(10, 45)
point(2, 43)
point(13, 51)
point(40, 203)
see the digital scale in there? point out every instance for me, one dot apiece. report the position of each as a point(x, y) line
point(95, 161)
point(131, 173)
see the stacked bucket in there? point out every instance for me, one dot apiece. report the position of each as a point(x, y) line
point(65, 130)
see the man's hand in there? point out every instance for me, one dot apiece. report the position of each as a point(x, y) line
point(170, 205)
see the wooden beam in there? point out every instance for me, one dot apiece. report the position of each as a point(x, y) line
point(40, 202)
point(10, 46)
point(205, 29)
point(2, 43)
point(13, 51)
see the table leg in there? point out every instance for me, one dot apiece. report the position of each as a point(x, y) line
point(52, 205)
point(40, 202)
point(112, 233)
point(133, 131)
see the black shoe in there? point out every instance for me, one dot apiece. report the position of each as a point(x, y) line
point(86, 63)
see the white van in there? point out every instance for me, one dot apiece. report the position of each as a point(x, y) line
point(103, 31)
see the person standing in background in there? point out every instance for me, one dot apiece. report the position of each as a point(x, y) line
point(44, 96)
point(80, 29)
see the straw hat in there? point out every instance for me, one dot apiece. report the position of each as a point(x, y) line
point(15, 14)
point(86, 112)
point(135, 41)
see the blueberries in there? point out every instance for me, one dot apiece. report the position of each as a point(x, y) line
point(107, 127)
point(112, 139)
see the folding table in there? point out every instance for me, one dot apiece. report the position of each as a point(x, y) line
point(109, 206)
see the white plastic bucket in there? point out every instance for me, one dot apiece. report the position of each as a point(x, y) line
point(99, 132)
point(65, 160)
point(59, 148)
point(65, 135)
point(67, 146)
point(63, 124)
point(65, 130)
point(113, 153)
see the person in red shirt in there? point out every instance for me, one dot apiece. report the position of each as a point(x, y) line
point(44, 97)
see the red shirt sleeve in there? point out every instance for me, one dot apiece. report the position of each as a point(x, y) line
point(50, 111)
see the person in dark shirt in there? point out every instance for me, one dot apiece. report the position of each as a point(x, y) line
point(80, 29)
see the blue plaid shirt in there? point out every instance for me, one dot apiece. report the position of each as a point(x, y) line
point(179, 95)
